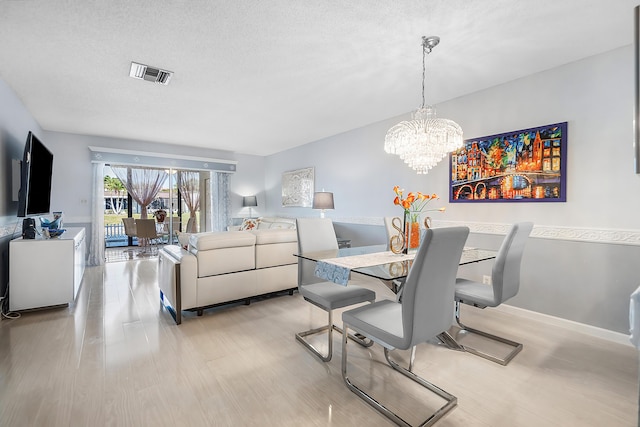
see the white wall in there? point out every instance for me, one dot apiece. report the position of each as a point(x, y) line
point(71, 186)
point(15, 124)
point(575, 268)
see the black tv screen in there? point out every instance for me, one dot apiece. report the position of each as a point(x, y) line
point(35, 183)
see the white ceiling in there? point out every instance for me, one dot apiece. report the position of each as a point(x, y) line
point(262, 76)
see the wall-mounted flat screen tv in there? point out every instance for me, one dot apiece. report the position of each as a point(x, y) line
point(35, 183)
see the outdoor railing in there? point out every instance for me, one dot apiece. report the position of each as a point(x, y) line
point(113, 230)
point(114, 235)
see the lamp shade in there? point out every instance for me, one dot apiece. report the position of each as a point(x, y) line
point(322, 200)
point(249, 201)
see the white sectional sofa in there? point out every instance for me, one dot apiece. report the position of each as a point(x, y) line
point(221, 267)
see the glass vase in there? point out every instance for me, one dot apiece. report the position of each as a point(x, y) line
point(412, 230)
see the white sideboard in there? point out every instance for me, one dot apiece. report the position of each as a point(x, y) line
point(46, 272)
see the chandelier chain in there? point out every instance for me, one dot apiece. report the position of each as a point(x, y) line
point(424, 69)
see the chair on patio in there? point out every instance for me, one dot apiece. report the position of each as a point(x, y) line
point(424, 312)
point(171, 229)
point(130, 227)
point(147, 234)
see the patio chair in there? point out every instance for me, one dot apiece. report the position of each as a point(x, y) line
point(130, 227)
point(147, 234)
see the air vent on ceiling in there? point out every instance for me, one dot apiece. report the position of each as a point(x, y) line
point(150, 74)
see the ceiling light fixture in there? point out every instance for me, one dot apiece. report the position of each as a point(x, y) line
point(425, 140)
point(149, 73)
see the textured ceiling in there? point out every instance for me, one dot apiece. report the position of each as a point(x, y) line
point(262, 76)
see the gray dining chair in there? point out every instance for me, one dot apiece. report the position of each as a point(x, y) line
point(423, 313)
point(318, 234)
point(505, 283)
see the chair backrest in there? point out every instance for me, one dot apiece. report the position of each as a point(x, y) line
point(429, 291)
point(505, 276)
point(129, 226)
point(146, 228)
point(314, 234)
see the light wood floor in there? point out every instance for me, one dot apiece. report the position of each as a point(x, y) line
point(115, 357)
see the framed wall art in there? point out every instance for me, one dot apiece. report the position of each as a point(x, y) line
point(521, 166)
point(297, 188)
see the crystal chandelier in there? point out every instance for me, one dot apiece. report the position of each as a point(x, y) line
point(425, 140)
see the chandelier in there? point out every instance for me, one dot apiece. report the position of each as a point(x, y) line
point(425, 140)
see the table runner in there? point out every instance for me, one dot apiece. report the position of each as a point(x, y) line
point(338, 269)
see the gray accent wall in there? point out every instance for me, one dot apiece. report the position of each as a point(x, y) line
point(580, 263)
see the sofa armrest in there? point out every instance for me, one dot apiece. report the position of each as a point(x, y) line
point(188, 274)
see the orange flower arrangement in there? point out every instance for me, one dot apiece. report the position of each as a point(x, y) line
point(414, 203)
point(413, 206)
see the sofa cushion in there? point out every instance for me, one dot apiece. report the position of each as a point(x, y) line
point(275, 247)
point(282, 225)
point(276, 222)
point(269, 236)
point(221, 239)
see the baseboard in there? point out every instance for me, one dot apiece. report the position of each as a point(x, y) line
point(593, 331)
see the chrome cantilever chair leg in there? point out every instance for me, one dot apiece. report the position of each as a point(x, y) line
point(517, 347)
point(451, 400)
point(329, 327)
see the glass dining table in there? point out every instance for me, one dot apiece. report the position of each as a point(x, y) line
point(378, 262)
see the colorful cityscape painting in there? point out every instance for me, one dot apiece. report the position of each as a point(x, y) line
point(522, 166)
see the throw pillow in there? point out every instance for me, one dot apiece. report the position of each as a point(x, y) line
point(249, 224)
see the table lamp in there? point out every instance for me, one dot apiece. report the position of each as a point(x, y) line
point(249, 201)
point(322, 200)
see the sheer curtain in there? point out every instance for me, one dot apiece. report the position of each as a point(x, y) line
point(142, 183)
point(220, 201)
point(96, 250)
point(189, 186)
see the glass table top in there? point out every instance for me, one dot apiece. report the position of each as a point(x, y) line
point(392, 270)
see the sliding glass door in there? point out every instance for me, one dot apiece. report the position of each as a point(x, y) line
point(172, 197)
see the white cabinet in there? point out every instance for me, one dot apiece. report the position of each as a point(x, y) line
point(46, 272)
